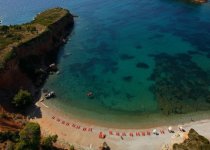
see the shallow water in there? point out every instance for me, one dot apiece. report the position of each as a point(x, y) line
point(139, 58)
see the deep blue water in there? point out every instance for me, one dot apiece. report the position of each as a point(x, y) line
point(137, 57)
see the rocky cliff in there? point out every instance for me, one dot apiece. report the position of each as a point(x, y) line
point(194, 142)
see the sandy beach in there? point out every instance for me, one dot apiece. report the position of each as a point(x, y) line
point(86, 136)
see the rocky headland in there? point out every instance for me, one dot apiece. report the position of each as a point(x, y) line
point(28, 49)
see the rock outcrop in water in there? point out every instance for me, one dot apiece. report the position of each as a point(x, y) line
point(24, 60)
point(196, 1)
point(200, 1)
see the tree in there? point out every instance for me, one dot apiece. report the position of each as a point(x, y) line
point(29, 137)
point(21, 145)
point(71, 147)
point(9, 135)
point(47, 142)
point(4, 28)
point(22, 98)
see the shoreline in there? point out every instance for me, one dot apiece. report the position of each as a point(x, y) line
point(124, 121)
point(80, 133)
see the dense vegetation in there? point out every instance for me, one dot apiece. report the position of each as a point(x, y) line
point(22, 99)
point(47, 142)
point(29, 138)
point(12, 136)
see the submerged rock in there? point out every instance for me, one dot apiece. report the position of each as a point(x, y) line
point(138, 47)
point(142, 65)
point(126, 57)
point(127, 78)
point(129, 96)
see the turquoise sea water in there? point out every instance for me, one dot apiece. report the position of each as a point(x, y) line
point(139, 58)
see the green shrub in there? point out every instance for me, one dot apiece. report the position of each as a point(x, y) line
point(47, 142)
point(17, 27)
point(9, 35)
point(21, 146)
point(16, 37)
point(9, 55)
point(4, 28)
point(1, 65)
point(29, 137)
point(30, 28)
point(12, 136)
point(22, 99)
point(71, 147)
point(3, 115)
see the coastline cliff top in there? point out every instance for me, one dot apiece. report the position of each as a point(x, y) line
point(50, 16)
point(13, 35)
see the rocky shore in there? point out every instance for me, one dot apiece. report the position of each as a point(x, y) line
point(200, 1)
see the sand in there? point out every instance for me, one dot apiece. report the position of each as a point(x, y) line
point(86, 139)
